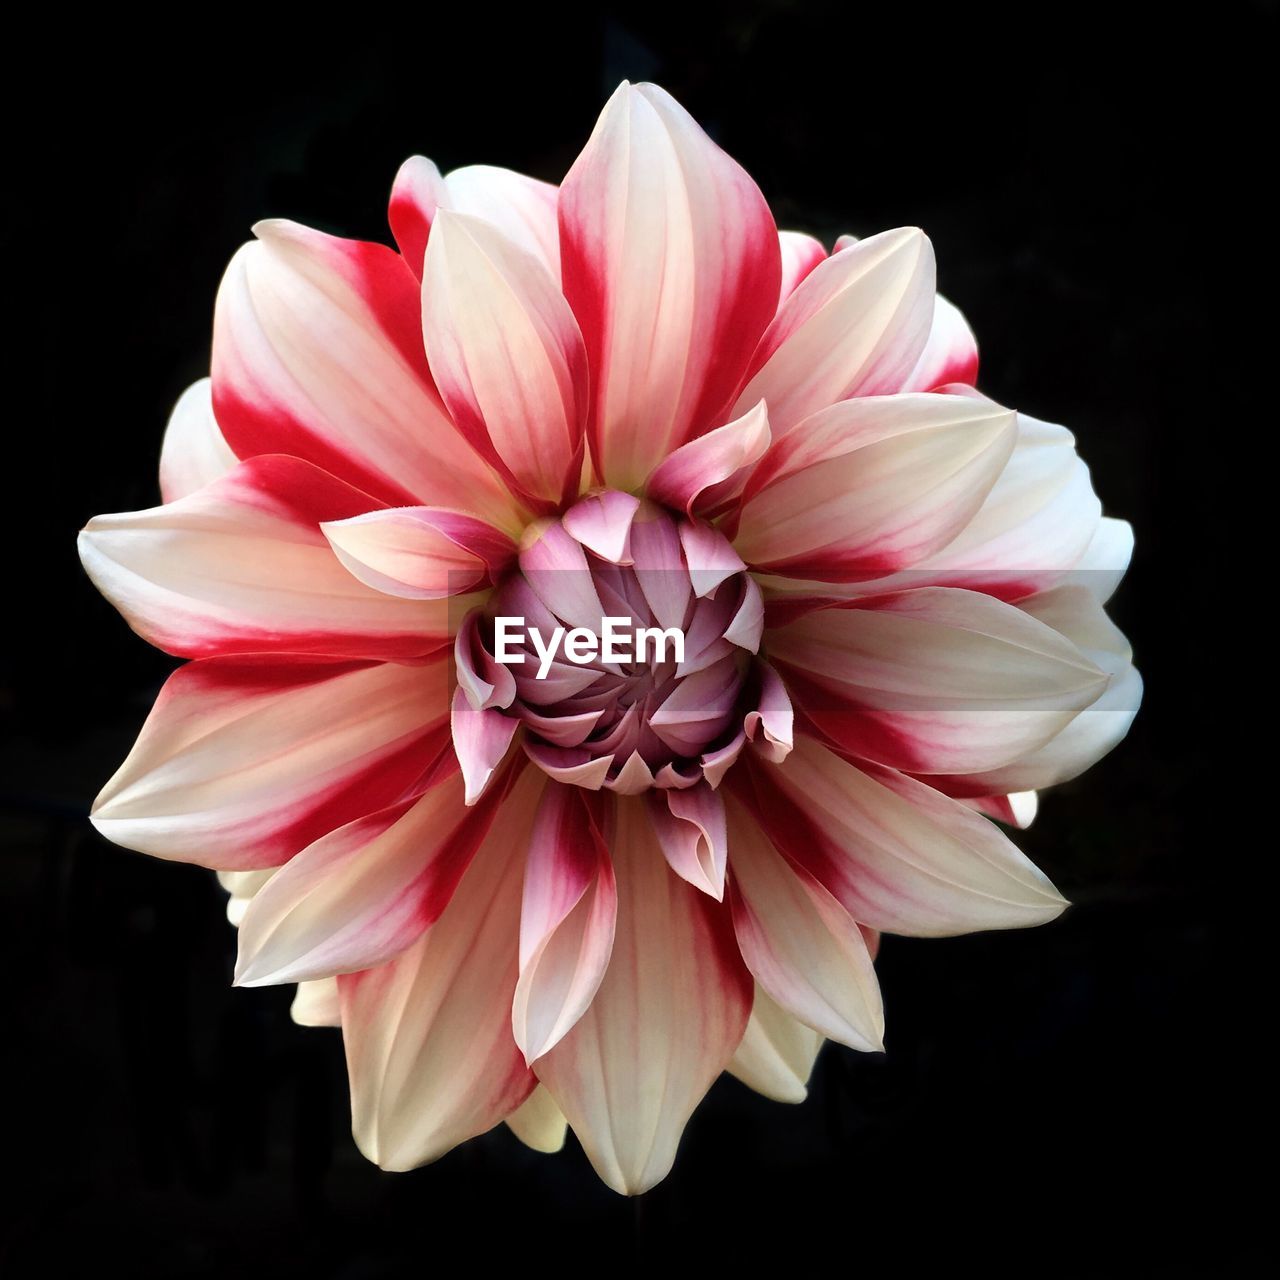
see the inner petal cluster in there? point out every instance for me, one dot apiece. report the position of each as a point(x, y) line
point(623, 642)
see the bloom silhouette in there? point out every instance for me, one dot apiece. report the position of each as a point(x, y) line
point(577, 891)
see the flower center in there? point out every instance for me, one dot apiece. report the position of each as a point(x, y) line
point(622, 643)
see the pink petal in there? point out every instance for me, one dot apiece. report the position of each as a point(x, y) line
point(602, 523)
point(670, 260)
point(416, 194)
point(709, 555)
point(194, 452)
point(362, 894)
point(243, 762)
point(659, 565)
point(317, 353)
point(872, 485)
point(897, 855)
point(522, 208)
point(555, 568)
point(241, 566)
point(420, 553)
point(670, 1012)
point(770, 726)
point(1015, 810)
point(430, 1053)
point(690, 826)
point(715, 466)
point(803, 947)
point(481, 739)
point(951, 353)
point(855, 326)
point(507, 356)
point(566, 921)
point(800, 254)
point(935, 680)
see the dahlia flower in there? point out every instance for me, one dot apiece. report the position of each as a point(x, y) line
point(576, 895)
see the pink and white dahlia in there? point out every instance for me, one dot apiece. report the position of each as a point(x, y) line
point(555, 886)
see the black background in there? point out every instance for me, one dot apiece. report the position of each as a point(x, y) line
point(1050, 1099)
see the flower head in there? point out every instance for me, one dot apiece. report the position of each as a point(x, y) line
point(532, 878)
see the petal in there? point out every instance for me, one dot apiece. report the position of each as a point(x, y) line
point(194, 452)
point(566, 920)
point(539, 1123)
point(316, 1004)
point(803, 947)
point(800, 254)
point(243, 762)
point(317, 353)
point(670, 260)
point(709, 556)
point(506, 354)
point(1015, 810)
point(667, 1018)
point(522, 208)
point(690, 826)
point(602, 523)
point(951, 353)
point(481, 739)
point(771, 725)
point(935, 680)
point(420, 553)
point(428, 1037)
point(1073, 611)
point(897, 855)
point(715, 466)
point(777, 1052)
point(416, 194)
point(241, 566)
point(855, 326)
point(1105, 559)
point(872, 485)
point(362, 894)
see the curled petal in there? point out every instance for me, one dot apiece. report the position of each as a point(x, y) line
point(566, 921)
point(699, 475)
point(420, 553)
point(602, 523)
point(770, 725)
point(690, 825)
point(481, 739)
